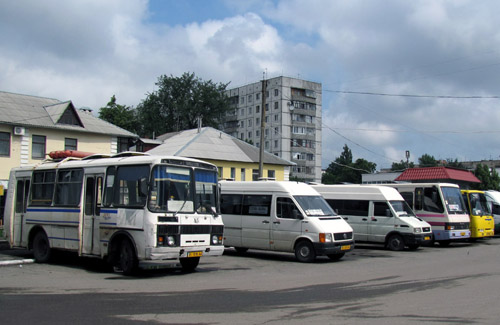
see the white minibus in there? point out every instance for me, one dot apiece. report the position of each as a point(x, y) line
point(441, 205)
point(493, 198)
point(282, 216)
point(133, 209)
point(378, 215)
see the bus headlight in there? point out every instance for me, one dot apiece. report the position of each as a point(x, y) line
point(171, 241)
point(216, 240)
point(325, 238)
point(417, 230)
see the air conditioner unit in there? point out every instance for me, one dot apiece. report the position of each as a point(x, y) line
point(19, 130)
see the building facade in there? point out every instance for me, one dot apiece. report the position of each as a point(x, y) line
point(291, 113)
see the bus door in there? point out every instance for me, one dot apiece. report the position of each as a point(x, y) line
point(92, 210)
point(22, 195)
point(286, 225)
point(381, 222)
point(256, 221)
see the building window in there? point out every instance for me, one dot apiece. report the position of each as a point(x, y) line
point(249, 122)
point(242, 124)
point(5, 144)
point(220, 170)
point(242, 100)
point(250, 110)
point(276, 117)
point(250, 134)
point(38, 147)
point(243, 174)
point(122, 144)
point(70, 144)
point(257, 96)
point(271, 174)
point(257, 109)
point(242, 136)
point(242, 111)
point(249, 98)
point(255, 174)
point(276, 92)
point(266, 144)
point(257, 133)
point(277, 130)
point(267, 107)
point(266, 132)
point(257, 121)
point(276, 144)
point(276, 105)
point(233, 173)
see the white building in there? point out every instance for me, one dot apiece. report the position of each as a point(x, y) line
point(292, 121)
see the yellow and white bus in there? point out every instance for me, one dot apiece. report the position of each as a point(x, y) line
point(133, 209)
point(481, 218)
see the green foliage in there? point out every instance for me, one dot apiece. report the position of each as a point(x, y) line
point(179, 102)
point(400, 166)
point(427, 161)
point(489, 180)
point(120, 115)
point(454, 163)
point(343, 170)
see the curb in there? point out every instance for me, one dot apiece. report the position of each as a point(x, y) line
point(16, 262)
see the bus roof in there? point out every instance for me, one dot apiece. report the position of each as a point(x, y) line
point(293, 188)
point(118, 159)
point(356, 191)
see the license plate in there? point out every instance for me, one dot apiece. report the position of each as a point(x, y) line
point(427, 238)
point(345, 247)
point(195, 254)
point(462, 234)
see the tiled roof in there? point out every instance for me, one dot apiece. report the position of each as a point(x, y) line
point(212, 144)
point(32, 111)
point(437, 173)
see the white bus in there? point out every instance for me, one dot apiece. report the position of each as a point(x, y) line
point(133, 209)
point(441, 205)
point(378, 215)
point(282, 216)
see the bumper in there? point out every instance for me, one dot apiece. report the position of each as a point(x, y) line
point(451, 234)
point(417, 239)
point(333, 248)
point(159, 254)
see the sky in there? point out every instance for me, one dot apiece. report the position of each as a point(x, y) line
point(419, 76)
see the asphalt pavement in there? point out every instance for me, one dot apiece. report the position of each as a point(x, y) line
point(13, 256)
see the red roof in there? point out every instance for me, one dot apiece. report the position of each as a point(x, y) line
point(434, 173)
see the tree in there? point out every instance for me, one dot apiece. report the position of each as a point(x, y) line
point(489, 180)
point(120, 115)
point(454, 163)
point(179, 102)
point(343, 170)
point(427, 161)
point(401, 165)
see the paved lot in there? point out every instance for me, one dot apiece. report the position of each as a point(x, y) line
point(458, 284)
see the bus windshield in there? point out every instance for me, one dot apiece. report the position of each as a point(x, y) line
point(206, 190)
point(453, 200)
point(171, 189)
point(402, 208)
point(478, 204)
point(314, 206)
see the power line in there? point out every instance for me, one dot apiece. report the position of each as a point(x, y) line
point(409, 95)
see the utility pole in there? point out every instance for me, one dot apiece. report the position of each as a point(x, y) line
point(262, 127)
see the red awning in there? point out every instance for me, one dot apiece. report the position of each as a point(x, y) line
point(435, 173)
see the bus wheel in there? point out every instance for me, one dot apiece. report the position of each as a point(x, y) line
point(444, 243)
point(241, 250)
point(189, 263)
point(41, 247)
point(128, 259)
point(304, 251)
point(336, 257)
point(395, 243)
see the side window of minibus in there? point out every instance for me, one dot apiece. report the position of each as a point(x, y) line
point(381, 209)
point(408, 197)
point(432, 200)
point(286, 208)
point(231, 204)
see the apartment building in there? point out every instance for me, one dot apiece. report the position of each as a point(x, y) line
point(291, 112)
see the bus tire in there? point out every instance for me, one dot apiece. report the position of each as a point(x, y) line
point(189, 264)
point(241, 250)
point(413, 247)
point(336, 257)
point(41, 247)
point(444, 243)
point(304, 251)
point(128, 258)
point(395, 243)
